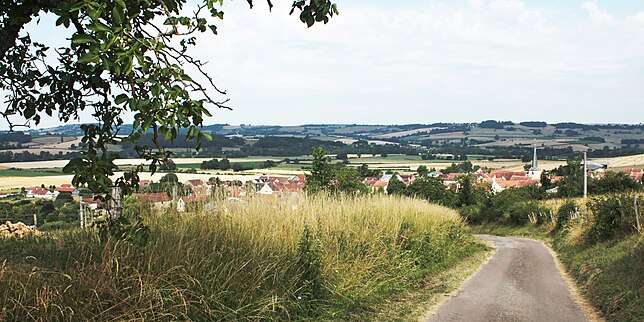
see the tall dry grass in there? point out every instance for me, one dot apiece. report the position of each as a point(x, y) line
point(242, 261)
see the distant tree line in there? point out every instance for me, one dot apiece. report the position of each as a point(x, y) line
point(15, 137)
point(534, 124)
point(9, 156)
point(492, 124)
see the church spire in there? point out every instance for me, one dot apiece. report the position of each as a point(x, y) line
point(535, 164)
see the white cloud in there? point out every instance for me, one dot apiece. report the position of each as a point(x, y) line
point(639, 16)
point(598, 16)
point(428, 62)
point(484, 60)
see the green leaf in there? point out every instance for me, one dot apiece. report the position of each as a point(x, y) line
point(98, 26)
point(118, 14)
point(207, 136)
point(87, 57)
point(81, 39)
point(79, 5)
point(120, 99)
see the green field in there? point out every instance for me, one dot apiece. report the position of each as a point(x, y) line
point(30, 172)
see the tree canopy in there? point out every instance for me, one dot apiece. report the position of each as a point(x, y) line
point(123, 56)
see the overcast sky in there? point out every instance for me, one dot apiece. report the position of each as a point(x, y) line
point(389, 62)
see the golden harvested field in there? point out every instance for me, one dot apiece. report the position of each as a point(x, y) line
point(8, 183)
point(404, 133)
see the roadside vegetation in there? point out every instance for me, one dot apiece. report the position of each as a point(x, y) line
point(328, 258)
point(598, 242)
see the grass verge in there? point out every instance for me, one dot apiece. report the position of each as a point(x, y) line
point(419, 303)
point(317, 258)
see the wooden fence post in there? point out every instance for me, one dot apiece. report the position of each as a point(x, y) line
point(116, 203)
point(637, 216)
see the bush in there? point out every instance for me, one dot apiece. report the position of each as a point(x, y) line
point(56, 225)
point(563, 214)
point(614, 216)
point(520, 213)
point(472, 214)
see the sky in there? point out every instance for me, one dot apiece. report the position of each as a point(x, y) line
point(396, 62)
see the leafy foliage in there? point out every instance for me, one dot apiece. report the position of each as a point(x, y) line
point(614, 216)
point(395, 186)
point(333, 179)
point(432, 189)
point(119, 60)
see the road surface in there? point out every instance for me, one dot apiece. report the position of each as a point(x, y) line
point(519, 283)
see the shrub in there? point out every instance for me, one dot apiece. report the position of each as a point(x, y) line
point(519, 213)
point(613, 217)
point(563, 214)
point(56, 225)
point(472, 214)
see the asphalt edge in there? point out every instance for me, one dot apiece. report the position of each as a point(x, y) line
point(431, 310)
point(591, 313)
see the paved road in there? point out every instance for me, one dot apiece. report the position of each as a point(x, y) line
point(519, 283)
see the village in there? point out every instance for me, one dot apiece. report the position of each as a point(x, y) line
point(181, 195)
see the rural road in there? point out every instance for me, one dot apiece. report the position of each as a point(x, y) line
point(519, 283)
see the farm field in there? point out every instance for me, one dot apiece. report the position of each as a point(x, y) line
point(47, 172)
point(30, 172)
point(9, 183)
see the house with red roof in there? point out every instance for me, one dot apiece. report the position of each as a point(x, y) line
point(41, 193)
point(157, 200)
point(281, 185)
point(195, 183)
point(91, 203)
point(66, 187)
point(634, 173)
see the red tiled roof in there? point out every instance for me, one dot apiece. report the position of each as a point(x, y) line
point(518, 178)
point(380, 183)
point(634, 173)
point(66, 187)
point(90, 200)
point(196, 182)
point(39, 191)
point(154, 197)
point(370, 181)
point(515, 183)
point(507, 175)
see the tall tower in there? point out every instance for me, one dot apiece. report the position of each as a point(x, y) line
point(534, 171)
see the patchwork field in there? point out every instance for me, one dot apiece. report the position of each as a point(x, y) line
point(48, 172)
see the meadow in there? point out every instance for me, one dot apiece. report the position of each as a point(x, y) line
point(320, 257)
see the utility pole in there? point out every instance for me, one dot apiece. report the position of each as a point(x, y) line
point(585, 175)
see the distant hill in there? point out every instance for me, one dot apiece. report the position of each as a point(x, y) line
point(494, 138)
